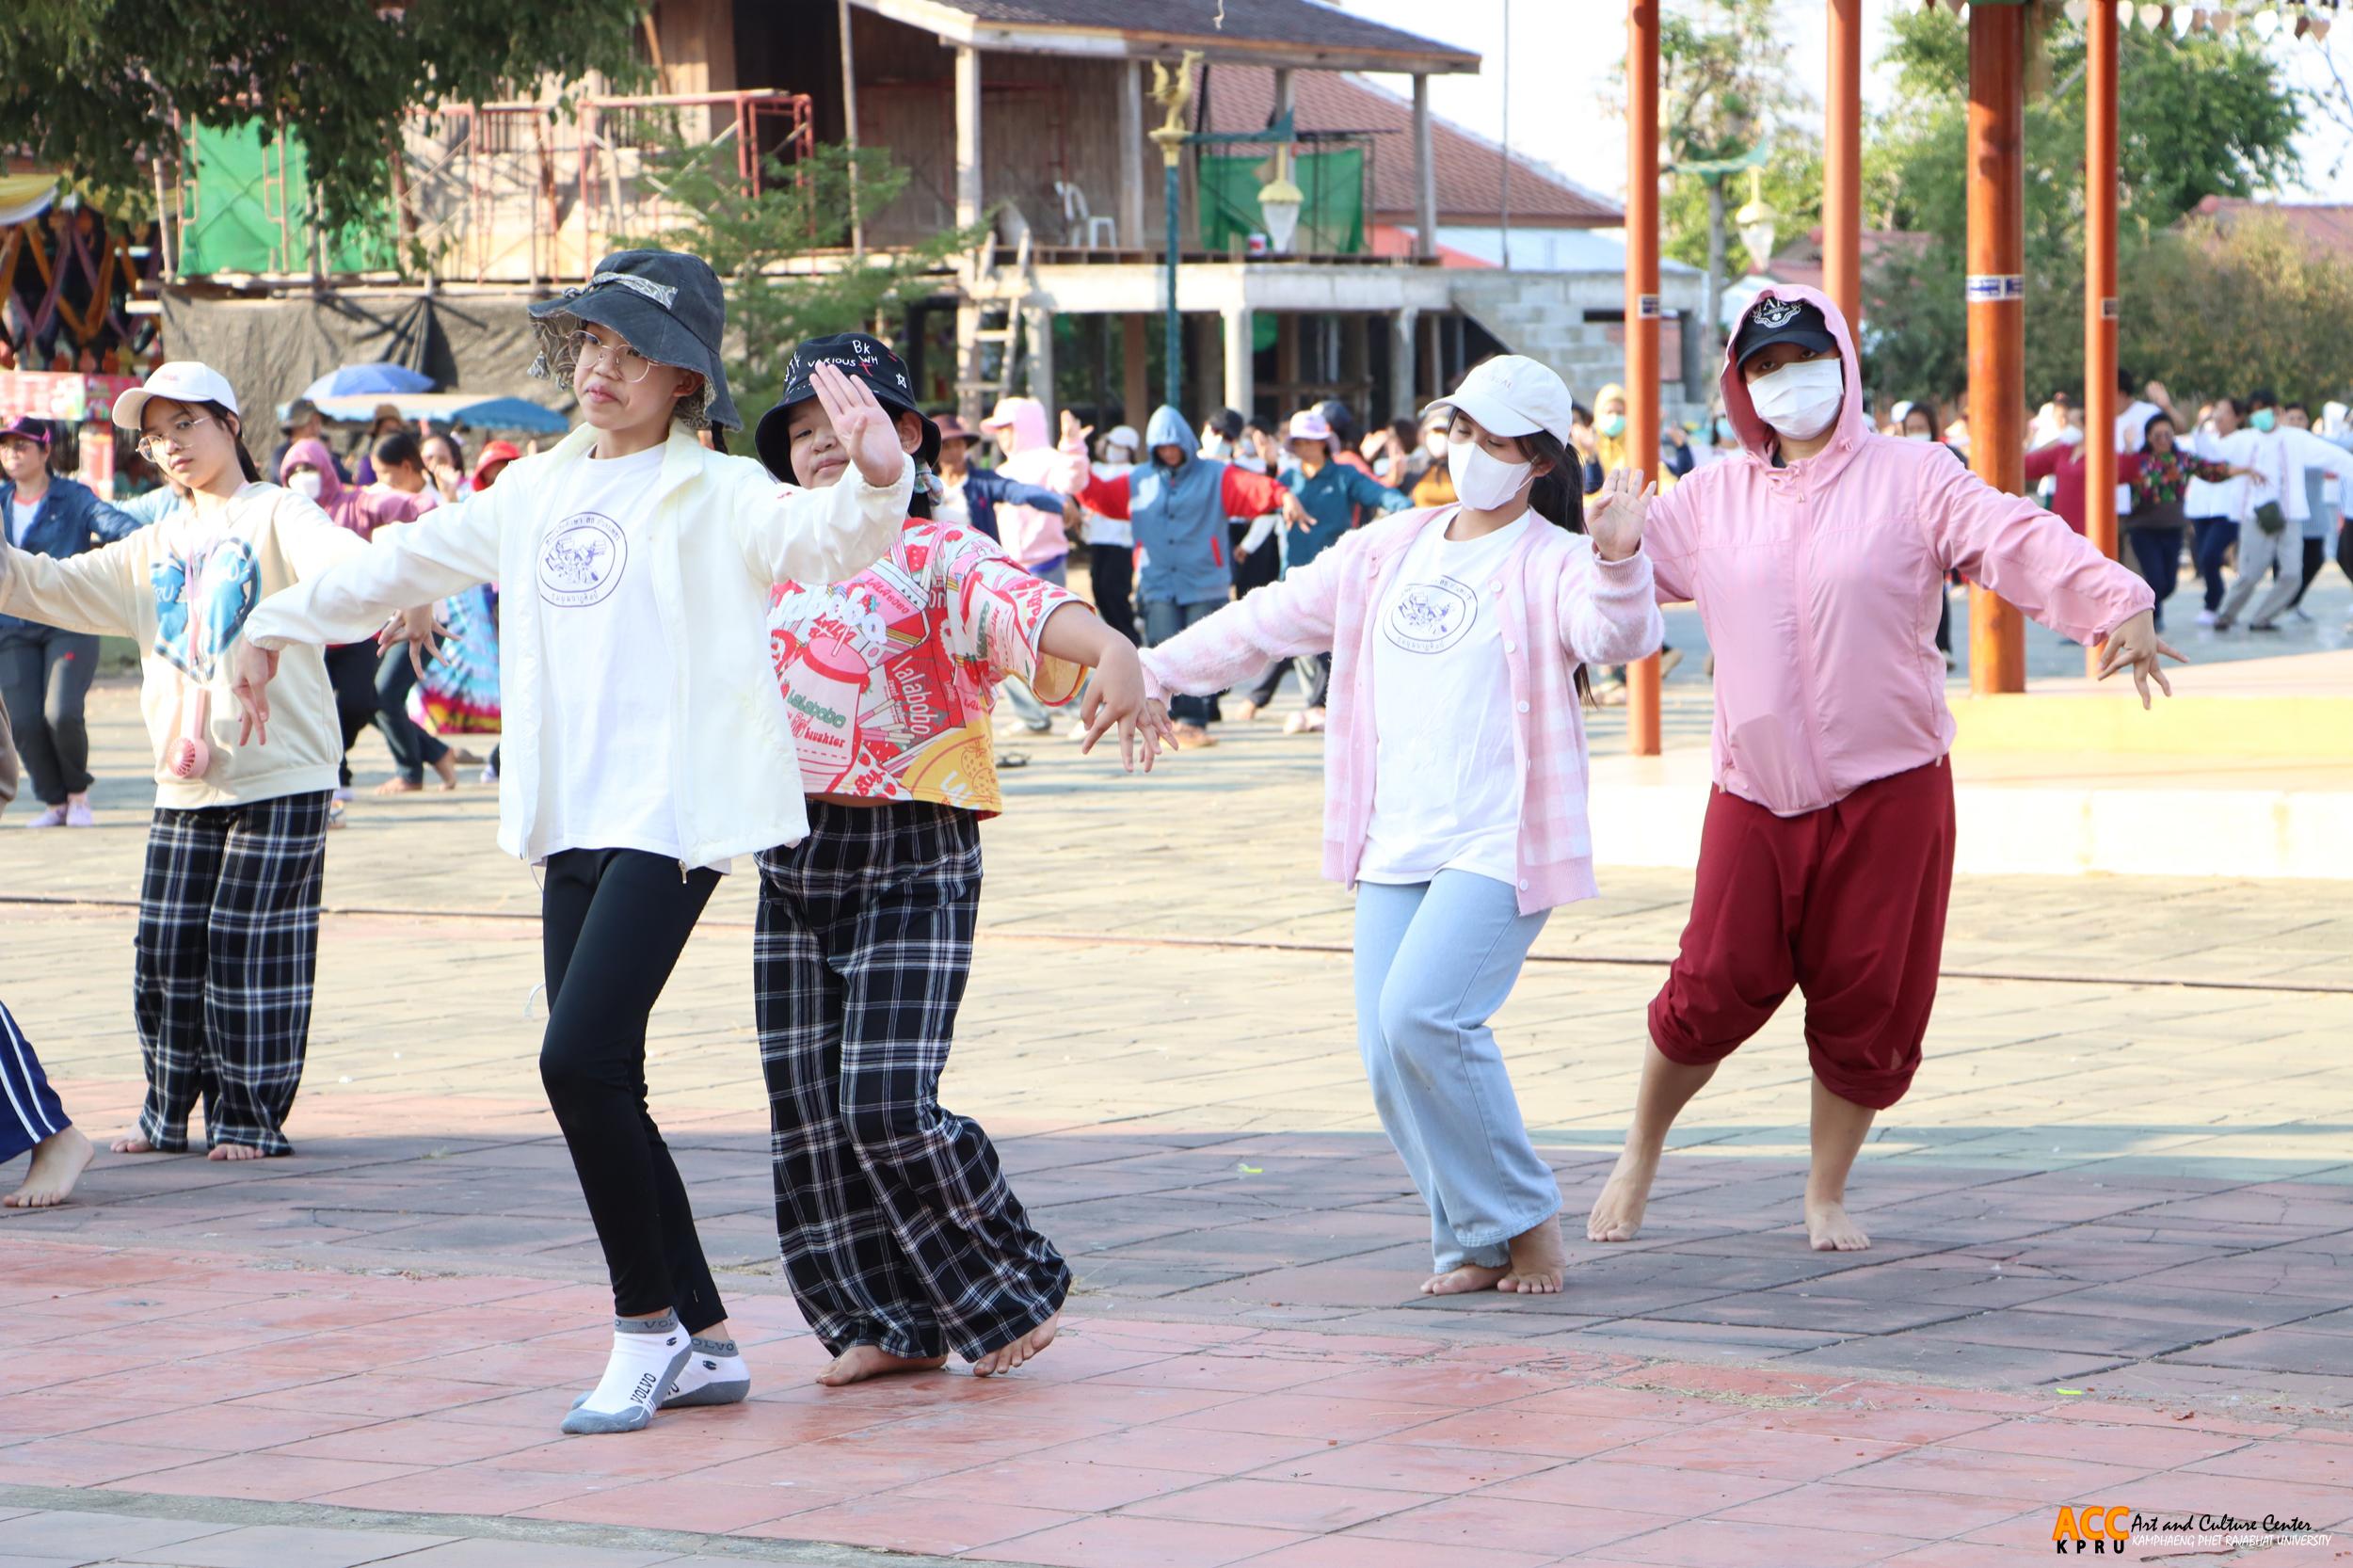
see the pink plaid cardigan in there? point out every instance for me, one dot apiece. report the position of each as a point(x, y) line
point(1582, 610)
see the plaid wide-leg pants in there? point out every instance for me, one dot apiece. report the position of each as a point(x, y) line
point(226, 953)
point(895, 1220)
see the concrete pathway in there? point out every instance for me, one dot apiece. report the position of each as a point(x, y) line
point(2114, 1228)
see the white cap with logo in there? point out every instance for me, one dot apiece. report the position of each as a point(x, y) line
point(180, 381)
point(1512, 395)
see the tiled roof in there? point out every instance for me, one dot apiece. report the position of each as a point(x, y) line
point(1305, 25)
point(1470, 167)
point(2328, 226)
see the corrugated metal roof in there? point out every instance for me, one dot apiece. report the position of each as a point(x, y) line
point(1470, 167)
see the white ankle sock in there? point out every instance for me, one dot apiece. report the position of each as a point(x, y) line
point(714, 1373)
point(647, 1356)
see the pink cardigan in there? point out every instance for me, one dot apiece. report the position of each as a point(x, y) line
point(1581, 610)
point(1818, 585)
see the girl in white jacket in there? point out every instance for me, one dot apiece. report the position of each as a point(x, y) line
point(645, 733)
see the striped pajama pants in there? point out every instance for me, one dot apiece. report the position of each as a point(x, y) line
point(223, 965)
point(30, 1111)
point(895, 1221)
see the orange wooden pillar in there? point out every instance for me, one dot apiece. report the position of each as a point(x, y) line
point(1842, 163)
point(2100, 393)
point(1642, 314)
point(1996, 304)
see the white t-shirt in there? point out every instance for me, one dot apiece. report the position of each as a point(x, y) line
point(1447, 787)
point(20, 516)
point(607, 745)
point(1100, 529)
point(2221, 498)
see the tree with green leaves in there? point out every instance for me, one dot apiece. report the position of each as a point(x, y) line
point(2221, 309)
point(101, 87)
point(1724, 86)
point(780, 249)
point(2200, 115)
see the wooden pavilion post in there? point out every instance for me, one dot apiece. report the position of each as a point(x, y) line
point(1641, 315)
point(1842, 165)
point(1996, 305)
point(2099, 391)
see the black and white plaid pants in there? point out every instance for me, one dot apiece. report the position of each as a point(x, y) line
point(222, 970)
point(896, 1224)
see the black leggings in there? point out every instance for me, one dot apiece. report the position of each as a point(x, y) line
point(613, 923)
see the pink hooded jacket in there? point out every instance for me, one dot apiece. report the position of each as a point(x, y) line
point(1818, 583)
point(1028, 536)
point(362, 511)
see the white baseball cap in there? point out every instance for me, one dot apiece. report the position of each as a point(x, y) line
point(1512, 395)
point(1310, 425)
point(180, 381)
point(1125, 435)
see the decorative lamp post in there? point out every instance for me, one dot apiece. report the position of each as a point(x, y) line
point(1279, 203)
point(1173, 92)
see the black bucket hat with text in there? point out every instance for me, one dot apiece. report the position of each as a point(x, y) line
point(670, 307)
point(862, 357)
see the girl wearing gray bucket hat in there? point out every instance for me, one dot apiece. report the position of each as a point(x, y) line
point(645, 737)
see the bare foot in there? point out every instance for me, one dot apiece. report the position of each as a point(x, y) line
point(399, 787)
point(1536, 1261)
point(1462, 1281)
point(447, 768)
point(1830, 1229)
point(130, 1142)
point(58, 1162)
point(861, 1362)
point(1617, 1214)
point(235, 1151)
point(1006, 1357)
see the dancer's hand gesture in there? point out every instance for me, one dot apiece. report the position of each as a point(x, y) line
point(1074, 435)
point(1115, 697)
point(256, 668)
point(862, 426)
point(2135, 645)
point(1615, 515)
point(422, 629)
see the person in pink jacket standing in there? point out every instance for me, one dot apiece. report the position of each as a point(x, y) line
point(1816, 556)
point(1033, 536)
point(1454, 779)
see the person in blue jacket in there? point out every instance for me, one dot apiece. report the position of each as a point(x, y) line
point(1178, 503)
point(1332, 494)
point(972, 495)
point(45, 673)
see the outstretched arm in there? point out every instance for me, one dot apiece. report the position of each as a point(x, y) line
point(1280, 621)
point(1610, 611)
point(1116, 697)
point(92, 592)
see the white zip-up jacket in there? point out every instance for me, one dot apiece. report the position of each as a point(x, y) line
point(721, 534)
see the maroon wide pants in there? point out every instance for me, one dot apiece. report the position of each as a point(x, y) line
point(1847, 903)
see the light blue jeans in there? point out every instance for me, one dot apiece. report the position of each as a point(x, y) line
point(1433, 961)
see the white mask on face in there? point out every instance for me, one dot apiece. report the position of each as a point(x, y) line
point(2070, 435)
point(1435, 443)
point(306, 484)
point(1799, 400)
point(1481, 479)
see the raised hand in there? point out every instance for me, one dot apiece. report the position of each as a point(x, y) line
point(256, 668)
point(1616, 515)
point(862, 426)
point(1072, 430)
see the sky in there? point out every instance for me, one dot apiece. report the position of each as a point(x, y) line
point(1564, 52)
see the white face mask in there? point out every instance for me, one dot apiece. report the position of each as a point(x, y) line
point(1799, 400)
point(1436, 442)
point(306, 484)
point(1481, 479)
point(2070, 435)
point(1918, 435)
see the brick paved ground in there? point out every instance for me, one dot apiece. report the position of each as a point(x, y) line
point(2114, 1228)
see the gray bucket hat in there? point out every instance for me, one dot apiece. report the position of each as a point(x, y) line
point(667, 304)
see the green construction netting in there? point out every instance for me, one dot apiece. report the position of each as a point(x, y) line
point(1332, 223)
point(247, 212)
